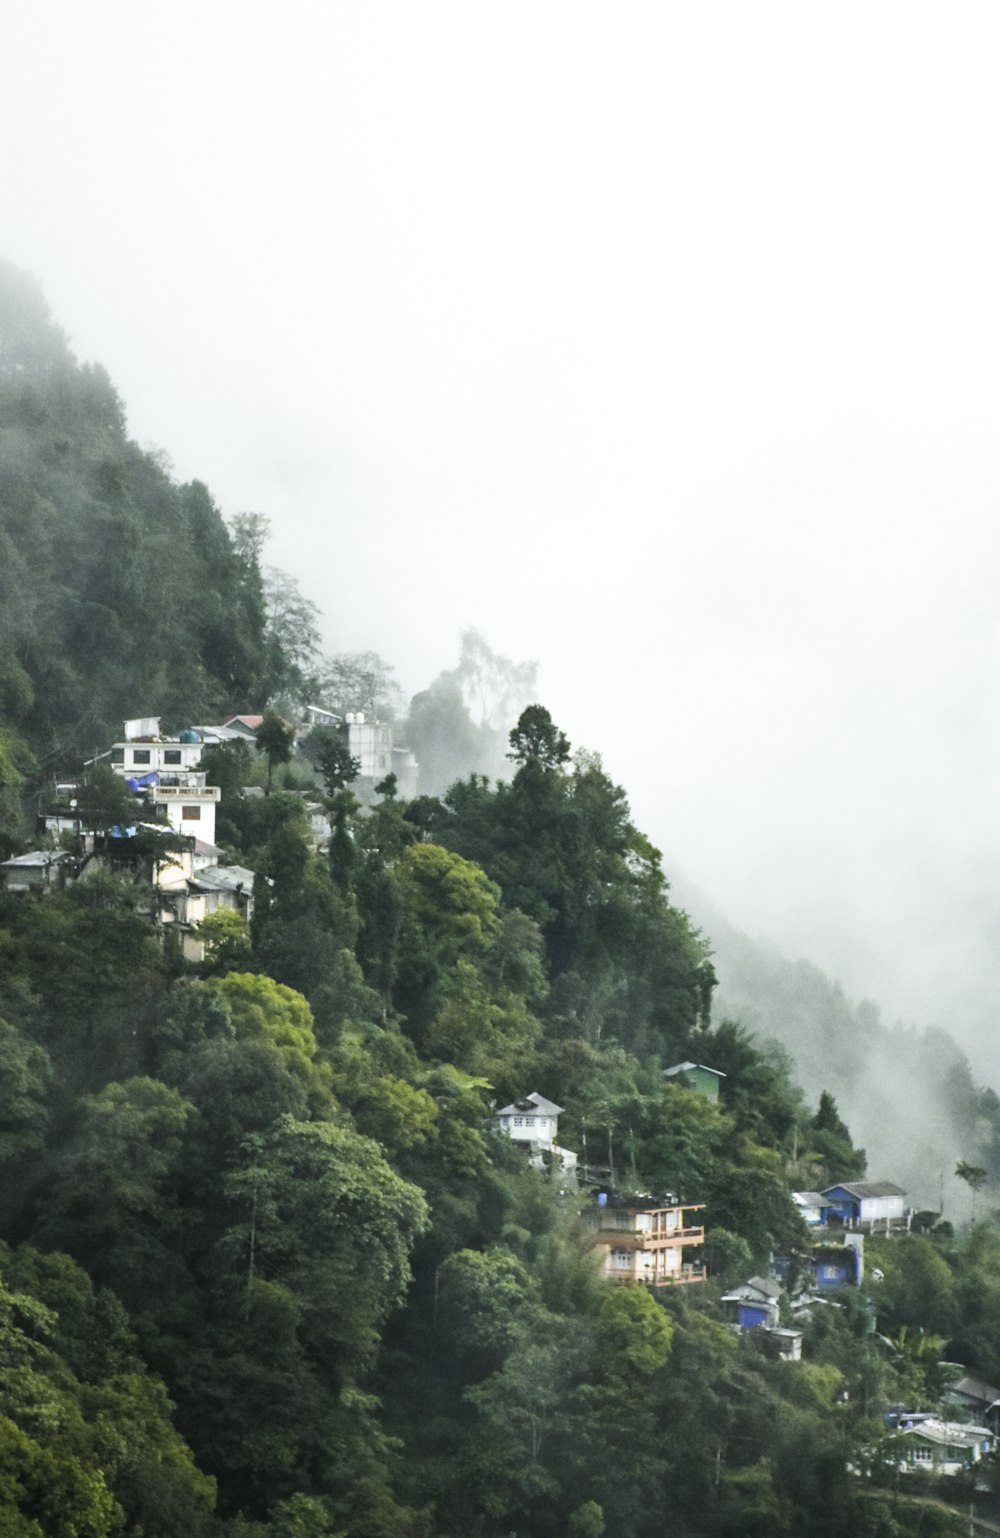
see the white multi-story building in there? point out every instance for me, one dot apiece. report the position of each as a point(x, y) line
point(164, 768)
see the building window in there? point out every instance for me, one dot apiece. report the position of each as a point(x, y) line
point(921, 1454)
point(172, 756)
point(140, 755)
point(190, 813)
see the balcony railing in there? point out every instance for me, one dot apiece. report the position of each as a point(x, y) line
point(186, 792)
point(646, 1239)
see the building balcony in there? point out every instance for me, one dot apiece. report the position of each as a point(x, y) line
point(163, 792)
point(646, 1239)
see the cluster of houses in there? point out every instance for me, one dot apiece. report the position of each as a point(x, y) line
point(176, 855)
point(185, 873)
point(659, 1243)
point(639, 1240)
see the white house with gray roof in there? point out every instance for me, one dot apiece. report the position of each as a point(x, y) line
point(535, 1121)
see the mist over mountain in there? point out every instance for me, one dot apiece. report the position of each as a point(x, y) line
point(274, 1259)
point(908, 1092)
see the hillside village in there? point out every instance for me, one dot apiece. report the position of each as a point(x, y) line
point(377, 1159)
point(174, 851)
point(657, 1244)
point(654, 1243)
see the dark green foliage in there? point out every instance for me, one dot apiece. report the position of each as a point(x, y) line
point(275, 740)
point(116, 585)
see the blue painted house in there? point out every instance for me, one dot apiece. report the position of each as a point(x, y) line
point(754, 1302)
point(867, 1204)
point(837, 1265)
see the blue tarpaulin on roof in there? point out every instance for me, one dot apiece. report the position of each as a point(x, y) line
point(140, 781)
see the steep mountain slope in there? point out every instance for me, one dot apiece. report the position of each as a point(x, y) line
point(120, 592)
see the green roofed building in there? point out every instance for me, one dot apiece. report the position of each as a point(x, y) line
point(696, 1076)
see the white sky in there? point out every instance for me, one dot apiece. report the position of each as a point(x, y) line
point(658, 341)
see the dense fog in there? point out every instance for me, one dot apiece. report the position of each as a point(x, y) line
point(660, 347)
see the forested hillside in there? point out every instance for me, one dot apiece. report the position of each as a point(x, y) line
point(116, 584)
point(269, 1268)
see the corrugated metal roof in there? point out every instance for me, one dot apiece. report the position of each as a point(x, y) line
point(35, 859)
point(686, 1068)
point(975, 1388)
point(949, 1433)
point(532, 1102)
point(867, 1189)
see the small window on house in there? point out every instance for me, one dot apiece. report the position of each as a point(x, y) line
point(518, 1121)
point(921, 1454)
point(140, 755)
point(118, 755)
point(172, 756)
point(190, 813)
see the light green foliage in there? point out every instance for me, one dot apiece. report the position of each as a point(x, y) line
point(587, 1521)
point(276, 1016)
point(514, 960)
point(478, 1033)
point(302, 1516)
point(636, 1333)
point(453, 904)
point(226, 938)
